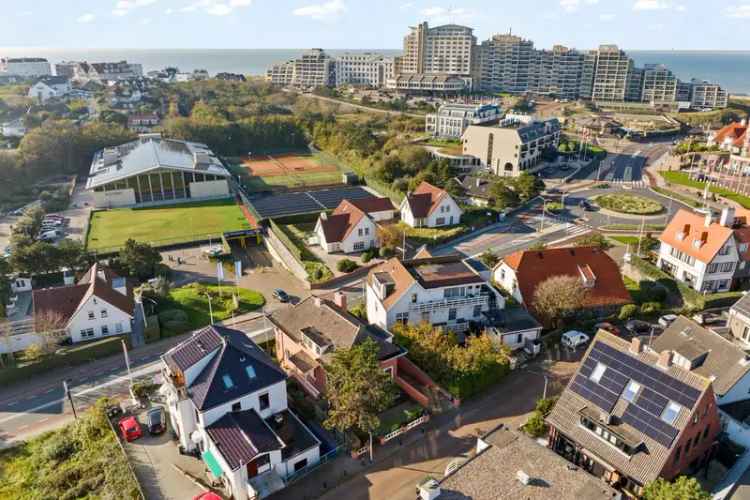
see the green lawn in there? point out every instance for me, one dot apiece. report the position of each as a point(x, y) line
point(625, 240)
point(166, 225)
point(193, 301)
point(629, 204)
point(431, 236)
point(677, 196)
point(683, 179)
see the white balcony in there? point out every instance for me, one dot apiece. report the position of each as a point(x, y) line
point(452, 302)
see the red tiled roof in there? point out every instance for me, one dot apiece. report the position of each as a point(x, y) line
point(425, 199)
point(372, 204)
point(734, 131)
point(691, 241)
point(534, 267)
point(338, 225)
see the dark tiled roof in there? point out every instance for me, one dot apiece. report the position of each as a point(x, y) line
point(425, 199)
point(60, 301)
point(292, 433)
point(712, 355)
point(336, 226)
point(53, 80)
point(373, 204)
point(241, 363)
point(192, 350)
point(241, 436)
point(742, 306)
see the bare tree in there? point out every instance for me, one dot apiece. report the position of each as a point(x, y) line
point(559, 297)
point(50, 326)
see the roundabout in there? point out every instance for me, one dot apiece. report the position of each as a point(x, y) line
point(626, 204)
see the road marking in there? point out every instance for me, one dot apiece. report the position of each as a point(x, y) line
point(12, 403)
point(43, 419)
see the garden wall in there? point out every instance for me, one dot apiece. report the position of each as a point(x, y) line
point(281, 249)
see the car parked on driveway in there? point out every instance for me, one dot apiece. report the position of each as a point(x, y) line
point(638, 327)
point(574, 339)
point(281, 295)
point(609, 327)
point(667, 320)
point(156, 421)
point(130, 428)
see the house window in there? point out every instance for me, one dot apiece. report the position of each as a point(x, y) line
point(105, 330)
point(402, 317)
point(87, 333)
point(669, 415)
point(360, 231)
point(367, 231)
point(596, 375)
point(631, 391)
point(92, 315)
point(502, 274)
point(519, 338)
point(440, 221)
point(413, 298)
point(104, 313)
point(477, 311)
point(237, 406)
point(677, 454)
point(300, 465)
point(359, 245)
point(118, 327)
point(264, 400)
point(705, 432)
point(452, 313)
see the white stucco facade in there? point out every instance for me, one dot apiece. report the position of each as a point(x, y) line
point(363, 236)
point(505, 276)
point(447, 213)
point(96, 318)
point(713, 276)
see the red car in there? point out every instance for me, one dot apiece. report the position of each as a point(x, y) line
point(130, 428)
point(208, 495)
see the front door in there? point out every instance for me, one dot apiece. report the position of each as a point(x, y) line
point(252, 469)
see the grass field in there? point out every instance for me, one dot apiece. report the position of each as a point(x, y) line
point(166, 225)
point(285, 171)
point(683, 179)
point(192, 299)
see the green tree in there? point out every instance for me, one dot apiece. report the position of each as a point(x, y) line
point(72, 254)
point(627, 311)
point(559, 297)
point(358, 390)
point(503, 196)
point(489, 259)
point(683, 488)
point(594, 240)
point(139, 260)
point(115, 117)
point(528, 186)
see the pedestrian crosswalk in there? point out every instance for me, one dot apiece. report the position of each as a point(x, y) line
point(629, 184)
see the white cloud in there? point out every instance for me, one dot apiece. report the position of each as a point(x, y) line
point(441, 15)
point(146, 21)
point(169, 11)
point(574, 5)
point(738, 11)
point(86, 18)
point(216, 7)
point(123, 7)
point(406, 6)
point(646, 5)
point(606, 17)
point(322, 11)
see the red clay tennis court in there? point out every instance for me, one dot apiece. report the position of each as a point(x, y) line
point(286, 164)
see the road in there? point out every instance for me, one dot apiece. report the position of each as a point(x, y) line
point(625, 163)
point(357, 106)
point(39, 405)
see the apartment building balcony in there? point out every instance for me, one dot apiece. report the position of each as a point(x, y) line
point(453, 302)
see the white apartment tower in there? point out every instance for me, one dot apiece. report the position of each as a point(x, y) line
point(505, 63)
point(610, 74)
point(659, 85)
point(315, 68)
point(366, 69)
point(443, 50)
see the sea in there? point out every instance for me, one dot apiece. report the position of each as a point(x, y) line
point(731, 69)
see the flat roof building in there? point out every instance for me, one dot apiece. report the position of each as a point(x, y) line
point(152, 169)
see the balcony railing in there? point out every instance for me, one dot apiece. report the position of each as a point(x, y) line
point(432, 305)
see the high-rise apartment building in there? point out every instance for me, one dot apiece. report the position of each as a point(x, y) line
point(707, 95)
point(365, 69)
point(315, 68)
point(611, 73)
point(505, 64)
point(27, 67)
point(659, 85)
point(557, 72)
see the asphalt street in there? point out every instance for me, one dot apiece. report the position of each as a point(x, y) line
point(31, 408)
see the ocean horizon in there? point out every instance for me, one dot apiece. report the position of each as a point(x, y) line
point(731, 69)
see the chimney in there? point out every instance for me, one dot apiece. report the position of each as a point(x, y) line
point(479, 182)
point(665, 360)
point(704, 238)
point(709, 219)
point(318, 301)
point(727, 217)
point(339, 298)
point(323, 216)
point(685, 231)
point(636, 345)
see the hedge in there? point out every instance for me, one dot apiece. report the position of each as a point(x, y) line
point(692, 300)
point(287, 241)
point(466, 385)
point(76, 355)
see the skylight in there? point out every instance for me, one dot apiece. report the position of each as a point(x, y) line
point(228, 383)
point(669, 415)
point(596, 375)
point(631, 391)
point(250, 372)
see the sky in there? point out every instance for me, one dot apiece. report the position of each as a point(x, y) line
point(369, 24)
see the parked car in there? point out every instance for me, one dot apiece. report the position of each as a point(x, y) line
point(586, 206)
point(667, 320)
point(156, 421)
point(130, 428)
point(609, 327)
point(637, 327)
point(281, 295)
point(574, 339)
point(533, 348)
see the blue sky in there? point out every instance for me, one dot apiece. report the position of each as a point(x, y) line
point(633, 24)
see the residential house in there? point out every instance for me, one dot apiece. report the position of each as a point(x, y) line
point(25, 67)
point(153, 170)
point(100, 304)
point(513, 327)
point(506, 464)
point(50, 87)
point(513, 148)
point(352, 227)
point(739, 320)
point(106, 72)
point(631, 416)
point(227, 400)
point(735, 139)
point(430, 206)
point(704, 253)
point(521, 273)
point(476, 190)
point(443, 291)
point(143, 122)
point(709, 354)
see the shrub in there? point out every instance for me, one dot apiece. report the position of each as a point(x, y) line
point(627, 311)
point(368, 255)
point(535, 426)
point(650, 307)
point(346, 266)
point(386, 252)
point(652, 292)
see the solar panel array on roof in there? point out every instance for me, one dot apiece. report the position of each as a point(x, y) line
point(652, 426)
point(280, 205)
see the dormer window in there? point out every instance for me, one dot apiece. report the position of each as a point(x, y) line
point(228, 383)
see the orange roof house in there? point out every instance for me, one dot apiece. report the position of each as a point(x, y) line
point(520, 273)
point(351, 226)
point(733, 135)
point(430, 206)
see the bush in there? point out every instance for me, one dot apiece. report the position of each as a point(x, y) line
point(386, 252)
point(535, 426)
point(346, 266)
point(650, 307)
point(627, 311)
point(652, 292)
point(368, 255)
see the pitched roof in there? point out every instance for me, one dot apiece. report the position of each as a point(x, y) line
point(373, 204)
point(650, 455)
point(237, 366)
point(343, 220)
point(326, 323)
point(704, 352)
point(532, 267)
point(742, 306)
point(241, 436)
point(53, 80)
point(688, 233)
point(99, 281)
point(476, 186)
point(735, 132)
point(492, 473)
point(425, 199)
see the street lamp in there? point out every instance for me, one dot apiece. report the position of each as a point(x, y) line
point(70, 398)
point(546, 381)
point(210, 309)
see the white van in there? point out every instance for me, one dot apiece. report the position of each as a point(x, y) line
point(574, 339)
